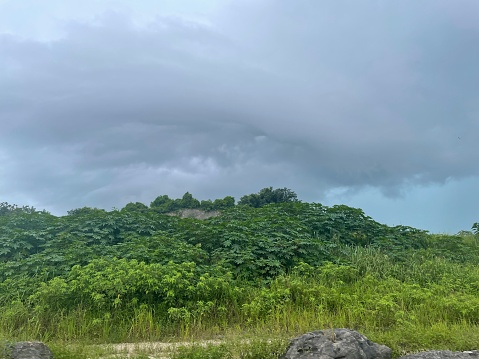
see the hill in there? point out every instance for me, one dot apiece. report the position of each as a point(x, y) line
point(289, 267)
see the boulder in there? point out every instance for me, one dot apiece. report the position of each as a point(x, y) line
point(335, 344)
point(28, 350)
point(443, 354)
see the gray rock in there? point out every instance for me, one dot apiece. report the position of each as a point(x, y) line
point(335, 344)
point(28, 350)
point(443, 354)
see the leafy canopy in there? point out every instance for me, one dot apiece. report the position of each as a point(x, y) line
point(268, 195)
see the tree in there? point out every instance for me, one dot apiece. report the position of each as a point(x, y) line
point(6, 209)
point(282, 195)
point(268, 195)
point(475, 228)
point(160, 201)
point(252, 200)
point(224, 203)
point(164, 204)
point(135, 207)
point(229, 201)
point(187, 201)
point(85, 211)
point(206, 205)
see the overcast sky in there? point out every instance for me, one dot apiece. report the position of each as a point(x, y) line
point(373, 104)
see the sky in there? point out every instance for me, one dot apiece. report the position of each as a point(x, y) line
point(373, 104)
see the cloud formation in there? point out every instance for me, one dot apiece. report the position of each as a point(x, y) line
point(311, 95)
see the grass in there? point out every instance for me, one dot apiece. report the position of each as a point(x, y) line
point(250, 349)
point(417, 303)
point(255, 344)
point(232, 349)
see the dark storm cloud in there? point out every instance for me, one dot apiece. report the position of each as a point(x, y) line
point(311, 95)
point(386, 92)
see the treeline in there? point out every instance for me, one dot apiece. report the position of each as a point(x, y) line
point(165, 204)
point(7, 208)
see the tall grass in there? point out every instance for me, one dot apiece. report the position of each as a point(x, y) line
point(421, 301)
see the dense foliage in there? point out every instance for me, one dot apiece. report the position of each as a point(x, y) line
point(137, 273)
point(164, 204)
point(268, 195)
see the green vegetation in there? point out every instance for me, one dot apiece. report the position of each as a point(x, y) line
point(268, 195)
point(164, 204)
point(269, 267)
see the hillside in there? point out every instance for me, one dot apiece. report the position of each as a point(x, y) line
point(136, 274)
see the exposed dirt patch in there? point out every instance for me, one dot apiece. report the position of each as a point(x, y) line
point(154, 350)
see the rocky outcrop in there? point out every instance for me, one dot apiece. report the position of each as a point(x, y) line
point(335, 344)
point(28, 350)
point(443, 354)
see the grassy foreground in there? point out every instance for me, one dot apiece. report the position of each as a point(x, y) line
point(417, 304)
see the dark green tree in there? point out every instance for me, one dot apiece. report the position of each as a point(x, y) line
point(187, 201)
point(269, 195)
point(252, 200)
point(229, 201)
point(135, 207)
point(475, 228)
point(206, 205)
point(283, 195)
point(85, 211)
point(164, 204)
point(6, 209)
point(224, 203)
point(160, 201)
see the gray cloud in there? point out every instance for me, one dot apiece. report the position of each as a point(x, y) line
point(313, 96)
